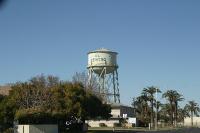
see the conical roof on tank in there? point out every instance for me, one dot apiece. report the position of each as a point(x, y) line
point(101, 59)
point(102, 50)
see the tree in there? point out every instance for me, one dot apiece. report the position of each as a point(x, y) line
point(150, 91)
point(1, 98)
point(193, 108)
point(157, 106)
point(169, 96)
point(142, 109)
point(182, 113)
point(173, 97)
point(48, 100)
point(165, 112)
point(177, 98)
point(7, 111)
point(80, 77)
point(98, 110)
point(134, 105)
point(83, 78)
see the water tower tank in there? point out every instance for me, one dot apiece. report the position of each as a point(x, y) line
point(101, 59)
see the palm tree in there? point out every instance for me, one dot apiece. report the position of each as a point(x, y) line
point(134, 103)
point(150, 91)
point(165, 112)
point(181, 114)
point(143, 99)
point(173, 97)
point(158, 106)
point(193, 108)
point(177, 98)
point(169, 96)
point(141, 108)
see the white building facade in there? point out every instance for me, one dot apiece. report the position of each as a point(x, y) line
point(118, 111)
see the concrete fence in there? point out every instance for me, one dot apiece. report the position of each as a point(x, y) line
point(96, 123)
point(196, 121)
point(37, 128)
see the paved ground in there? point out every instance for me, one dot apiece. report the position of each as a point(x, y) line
point(185, 130)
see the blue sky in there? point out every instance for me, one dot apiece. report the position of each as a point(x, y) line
point(158, 41)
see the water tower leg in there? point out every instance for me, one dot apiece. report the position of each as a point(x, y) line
point(114, 89)
point(118, 95)
point(89, 82)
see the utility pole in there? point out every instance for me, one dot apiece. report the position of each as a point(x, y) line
point(156, 120)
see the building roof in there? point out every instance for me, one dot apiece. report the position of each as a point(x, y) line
point(118, 105)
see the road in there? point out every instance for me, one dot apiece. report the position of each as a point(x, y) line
point(185, 130)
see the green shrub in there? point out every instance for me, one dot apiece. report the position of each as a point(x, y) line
point(9, 130)
point(117, 125)
point(123, 122)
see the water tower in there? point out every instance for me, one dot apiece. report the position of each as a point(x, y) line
point(102, 64)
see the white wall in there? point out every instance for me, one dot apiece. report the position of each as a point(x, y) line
point(115, 113)
point(95, 123)
point(37, 129)
point(23, 129)
point(196, 121)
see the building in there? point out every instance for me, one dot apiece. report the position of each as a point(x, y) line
point(121, 111)
point(118, 111)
